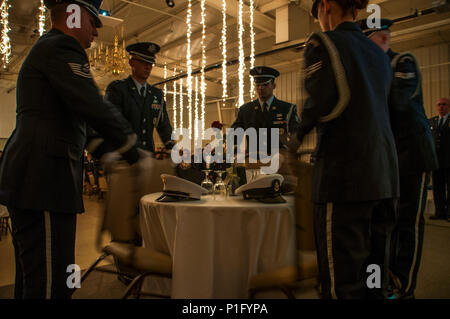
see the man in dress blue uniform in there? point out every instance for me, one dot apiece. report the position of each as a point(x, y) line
point(267, 111)
point(41, 168)
point(440, 126)
point(141, 104)
point(416, 156)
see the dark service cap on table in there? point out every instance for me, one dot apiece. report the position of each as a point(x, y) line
point(263, 74)
point(384, 24)
point(144, 50)
point(177, 189)
point(266, 189)
point(91, 5)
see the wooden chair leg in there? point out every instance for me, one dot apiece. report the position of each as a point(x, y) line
point(92, 267)
point(131, 286)
point(288, 292)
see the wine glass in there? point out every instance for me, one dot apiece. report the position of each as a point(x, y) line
point(207, 183)
point(220, 189)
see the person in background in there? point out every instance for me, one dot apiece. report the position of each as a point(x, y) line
point(267, 111)
point(440, 126)
point(41, 170)
point(355, 182)
point(140, 103)
point(416, 157)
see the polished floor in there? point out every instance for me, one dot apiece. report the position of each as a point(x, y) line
point(433, 278)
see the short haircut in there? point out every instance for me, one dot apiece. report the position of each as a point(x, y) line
point(58, 12)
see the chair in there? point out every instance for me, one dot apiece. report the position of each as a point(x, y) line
point(102, 186)
point(4, 221)
point(93, 186)
point(127, 184)
point(287, 278)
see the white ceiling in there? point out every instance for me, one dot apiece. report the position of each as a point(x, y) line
point(153, 20)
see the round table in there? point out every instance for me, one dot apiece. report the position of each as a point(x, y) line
point(216, 246)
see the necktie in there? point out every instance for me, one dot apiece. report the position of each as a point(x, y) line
point(143, 91)
point(441, 119)
point(264, 107)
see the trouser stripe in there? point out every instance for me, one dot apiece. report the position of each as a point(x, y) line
point(330, 249)
point(48, 254)
point(416, 232)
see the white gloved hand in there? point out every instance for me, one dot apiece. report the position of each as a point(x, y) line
point(109, 159)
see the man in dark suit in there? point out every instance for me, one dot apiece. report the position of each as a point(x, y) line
point(440, 126)
point(41, 168)
point(141, 104)
point(267, 111)
point(416, 157)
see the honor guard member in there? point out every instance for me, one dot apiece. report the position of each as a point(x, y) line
point(416, 159)
point(41, 179)
point(356, 172)
point(267, 111)
point(142, 105)
point(440, 126)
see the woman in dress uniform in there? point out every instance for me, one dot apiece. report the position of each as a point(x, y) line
point(348, 78)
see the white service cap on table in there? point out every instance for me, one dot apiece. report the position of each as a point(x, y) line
point(178, 189)
point(265, 188)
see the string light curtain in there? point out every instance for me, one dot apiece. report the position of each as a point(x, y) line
point(189, 65)
point(181, 103)
point(202, 72)
point(252, 49)
point(165, 84)
point(241, 54)
point(223, 43)
point(196, 128)
point(175, 100)
point(42, 11)
point(5, 45)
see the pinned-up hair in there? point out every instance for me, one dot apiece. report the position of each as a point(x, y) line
point(352, 5)
point(346, 5)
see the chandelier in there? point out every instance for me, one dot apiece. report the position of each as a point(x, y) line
point(110, 59)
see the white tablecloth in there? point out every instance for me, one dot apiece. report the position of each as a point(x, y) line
point(217, 246)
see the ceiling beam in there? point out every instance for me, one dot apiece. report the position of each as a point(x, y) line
point(197, 35)
point(261, 21)
point(275, 4)
point(161, 23)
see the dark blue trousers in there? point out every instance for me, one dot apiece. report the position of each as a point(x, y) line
point(44, 245)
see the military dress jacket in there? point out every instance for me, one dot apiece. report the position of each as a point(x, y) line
point(412, 133)
point(280, 115)
point(41, 167)
point(441, 136)
point(348, 79)
point(144, 114)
